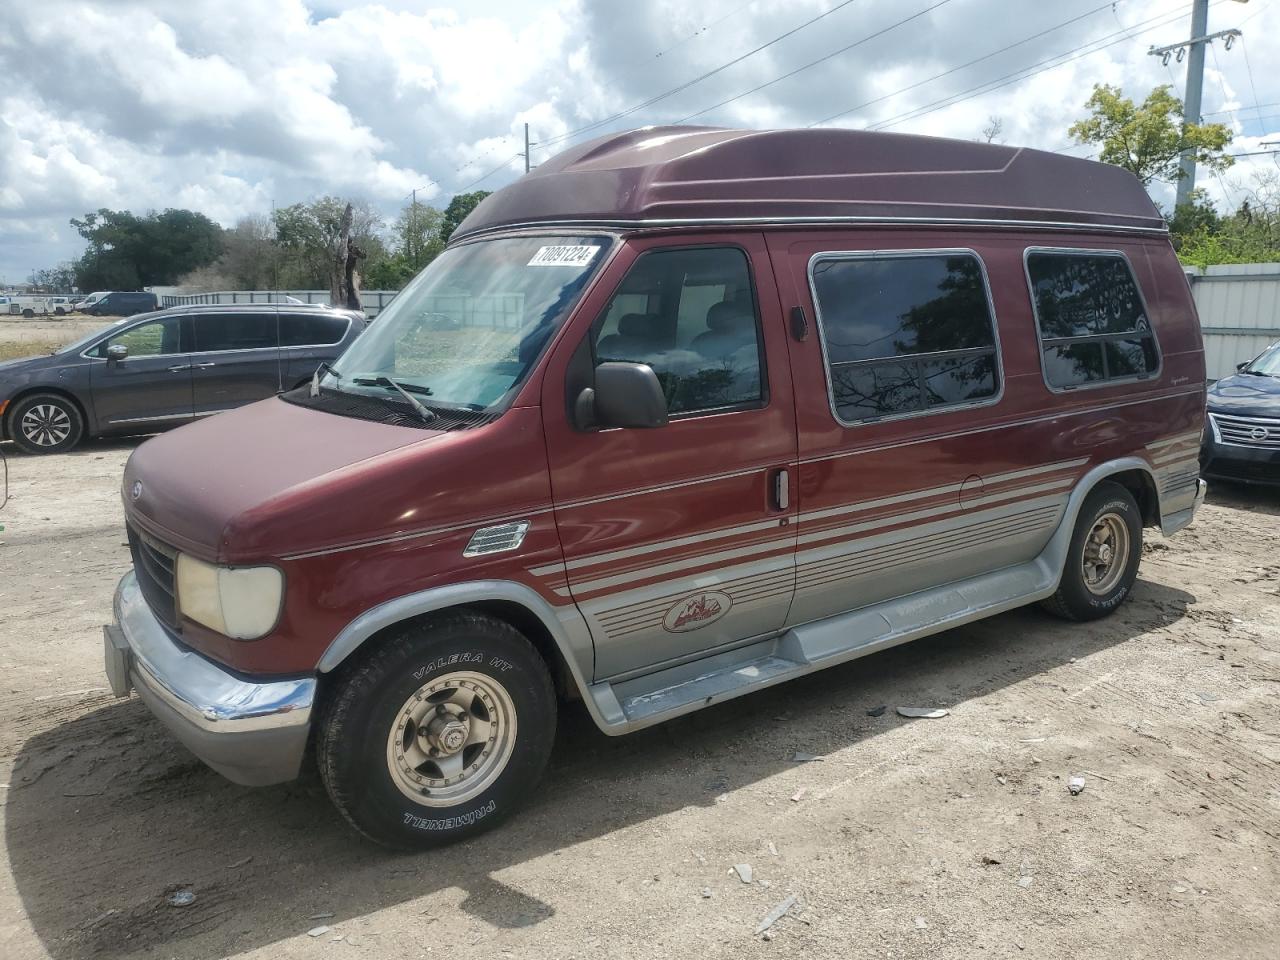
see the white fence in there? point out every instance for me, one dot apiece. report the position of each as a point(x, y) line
point(373, 301)
point(1239, 307)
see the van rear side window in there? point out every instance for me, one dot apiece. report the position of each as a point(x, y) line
point(1094, 326)
point(905, 333)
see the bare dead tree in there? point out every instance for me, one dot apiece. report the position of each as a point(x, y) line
point(344, 278)
point(993, 129)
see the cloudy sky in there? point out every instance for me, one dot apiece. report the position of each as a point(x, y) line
point(226, 106)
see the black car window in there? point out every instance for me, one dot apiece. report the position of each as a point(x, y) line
point(234, 331)
point(1093, 324)
point(690, 315)
point(155, 338)
point(306, 330)
point(905, 332)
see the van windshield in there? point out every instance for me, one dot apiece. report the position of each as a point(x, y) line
point(467, 331)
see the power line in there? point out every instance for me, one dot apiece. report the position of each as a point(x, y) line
point(698, 79)
point(697, 33)
point(814, 63)
point(480, 180)
point(939, 76)
point(1026, 73)
point(1252, 87)
point(1218, 113)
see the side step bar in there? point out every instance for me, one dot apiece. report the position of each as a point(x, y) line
point(653, 698)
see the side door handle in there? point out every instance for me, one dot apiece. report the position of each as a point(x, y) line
point(781, 489)
point(205, 366)
point(180, 367)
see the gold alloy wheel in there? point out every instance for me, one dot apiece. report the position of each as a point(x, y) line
point(1106, 554)
point(452, 739)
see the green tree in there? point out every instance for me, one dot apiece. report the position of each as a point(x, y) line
point(307, 233)
point(1147, 140)
point(417, 234)
point(127, 251)
point(457, 211)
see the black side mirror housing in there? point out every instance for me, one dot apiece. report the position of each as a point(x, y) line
point(625, 395)
point(117, 351)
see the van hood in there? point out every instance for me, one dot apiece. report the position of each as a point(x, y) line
point(1245, 395)
point(189, 486)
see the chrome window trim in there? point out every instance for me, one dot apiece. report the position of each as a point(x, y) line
point(659, 223)
point(904, 254)
point(1153, 377)
point(208, 353)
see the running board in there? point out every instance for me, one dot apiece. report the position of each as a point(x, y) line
point(655, 697)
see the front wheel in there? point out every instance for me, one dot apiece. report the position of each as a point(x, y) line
point(1102, 560)
point(439, 733)
point(46, 423)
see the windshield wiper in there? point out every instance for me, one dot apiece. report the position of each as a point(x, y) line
point(1257, 373)
point(403, 389)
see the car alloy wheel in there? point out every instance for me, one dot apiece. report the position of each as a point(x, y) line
point(45, 425)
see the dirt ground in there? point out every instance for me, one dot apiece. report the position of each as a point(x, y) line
point(22, 338)
point(950, 838)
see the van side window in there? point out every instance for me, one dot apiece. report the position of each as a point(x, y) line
point(1093, 324)
point(155, 338)
point(691, 316)
point(905, 332)
point(235, 331)
point(301, 330)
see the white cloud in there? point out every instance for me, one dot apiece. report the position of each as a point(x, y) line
point(227, 105)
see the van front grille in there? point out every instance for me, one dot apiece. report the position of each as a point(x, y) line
point(155, 565)
point(1248, 431)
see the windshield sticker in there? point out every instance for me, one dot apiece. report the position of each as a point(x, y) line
point(563, 256)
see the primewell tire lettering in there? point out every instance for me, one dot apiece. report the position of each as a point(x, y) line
point(449, 823)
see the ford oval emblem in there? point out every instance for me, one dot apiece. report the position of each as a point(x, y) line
point(696, 611)
point(135, 492)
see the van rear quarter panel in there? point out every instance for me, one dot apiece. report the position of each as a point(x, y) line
point(898, 505)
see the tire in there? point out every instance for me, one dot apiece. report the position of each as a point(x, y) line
point(1102, 560)
point(46, 423)
point(28, 313)
point(466, 675)
point(59, 312)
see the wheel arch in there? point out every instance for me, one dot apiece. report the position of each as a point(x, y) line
point(34, 389)
point(1125, 471)
point(560, 636)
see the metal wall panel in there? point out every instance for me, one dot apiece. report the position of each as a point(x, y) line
point(1239, 307)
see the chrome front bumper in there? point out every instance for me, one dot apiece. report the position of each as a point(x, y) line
point(251, 733)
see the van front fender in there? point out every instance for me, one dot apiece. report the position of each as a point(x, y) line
point(565, 625)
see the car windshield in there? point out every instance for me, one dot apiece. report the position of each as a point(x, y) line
point(1268, 363)
point(467, 331)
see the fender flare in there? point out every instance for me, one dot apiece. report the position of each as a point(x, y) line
point(1054, 555)
point(565, 625)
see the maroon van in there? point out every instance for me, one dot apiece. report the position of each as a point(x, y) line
point(683, 413)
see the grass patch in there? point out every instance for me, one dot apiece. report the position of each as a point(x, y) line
point(12, 350)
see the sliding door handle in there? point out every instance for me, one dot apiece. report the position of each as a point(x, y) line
point(205, 366)
point(180, 367)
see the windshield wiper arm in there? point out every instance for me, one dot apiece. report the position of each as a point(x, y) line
point(426, 415)
point(320, 371)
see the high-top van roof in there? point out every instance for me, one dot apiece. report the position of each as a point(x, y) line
point(660, 176)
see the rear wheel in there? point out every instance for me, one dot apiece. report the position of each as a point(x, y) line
point(46, 423)
point(439, 733)
point(1102, 560)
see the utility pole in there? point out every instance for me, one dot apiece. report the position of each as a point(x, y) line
point(413, 226)
point(1193, 50)
point(526, 142)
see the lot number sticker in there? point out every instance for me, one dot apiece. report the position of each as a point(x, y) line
point(563, 256)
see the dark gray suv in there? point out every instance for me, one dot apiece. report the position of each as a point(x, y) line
point(158, 370)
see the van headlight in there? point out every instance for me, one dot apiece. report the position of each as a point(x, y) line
point(240, 602)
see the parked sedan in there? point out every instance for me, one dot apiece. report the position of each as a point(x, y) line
point(1242, 438)
point(158, 370)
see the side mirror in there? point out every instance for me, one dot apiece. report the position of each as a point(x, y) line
point(117, 351)
point(625, 395)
